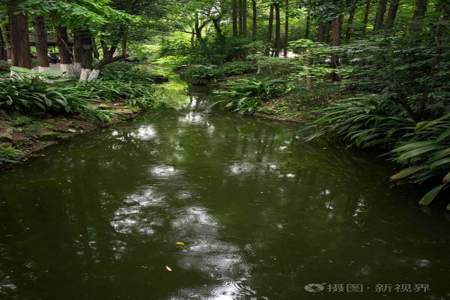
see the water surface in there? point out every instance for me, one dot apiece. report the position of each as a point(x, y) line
point(236, 208)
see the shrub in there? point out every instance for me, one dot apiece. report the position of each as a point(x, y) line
point(247, 95)
point(201, 74)
point(238, 68)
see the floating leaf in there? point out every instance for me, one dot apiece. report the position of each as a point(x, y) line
point(169, 269)
point(181, 244)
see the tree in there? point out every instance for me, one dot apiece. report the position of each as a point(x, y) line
point(40, 33)
point(6, 40)
point(379, 17)
point(286, 29)
point(419, 10)
point(393, 8)
point(366, 16)
point(19, 35)
point(270, 29)
point(277, 29)
point(244, 17)
point(254, 19)
point(308, 19)
point(336, 38)
point(235, 17)
point(63, 43)
point(3, 54)
point(351, 17)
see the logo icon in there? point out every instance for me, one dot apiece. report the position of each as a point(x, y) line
point(314, 287)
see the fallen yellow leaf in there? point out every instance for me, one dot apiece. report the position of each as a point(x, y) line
point(180, 243)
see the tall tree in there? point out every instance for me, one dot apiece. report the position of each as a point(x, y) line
point(241, 19)
point(62, 41)
point(351, 17)
point(254, 19)
point(308, 20)
point(392, 13)
point(336, 37)
point(20, 42)
point(244, 17)
point(234, 5)
point(323, 31)
point(6, 40)
point(286, 29)
point(420, 10)
point(366, 16)
point(379, 17)
point(40, 33)
point(277, 29)
point(270, 29)
point(3, 54)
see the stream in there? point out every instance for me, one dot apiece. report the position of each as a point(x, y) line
point(201, 204)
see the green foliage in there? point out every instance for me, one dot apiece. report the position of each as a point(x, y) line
point(34, 95)
point(9, 154)
point(426, 155)
point(133, 94)
point(201, 74)
point(238, 68)
point(365, 121)
point(126, 72)
point(248, 94)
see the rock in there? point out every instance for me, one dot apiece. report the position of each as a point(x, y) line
point(6, 134)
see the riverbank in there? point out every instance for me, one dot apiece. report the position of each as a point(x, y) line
point(23, 136)
point(36, 112)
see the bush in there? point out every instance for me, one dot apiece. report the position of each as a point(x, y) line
point(238, 68)
point(134, 94)
point(247, 95)
point(34, 95)
point(201, 74)
point(426, 155)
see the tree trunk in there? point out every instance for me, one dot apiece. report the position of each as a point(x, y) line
point(351, 17)
point(392, 14)
point(323, 32)
point(379, 18)
point(78, 51)
point(3, 54)
point(86, 58)
point(20, 43)
point(62, 41)
point(366, 16)
point(336, 38)
point(286, 29)
point(241, 19)
point(393, 8)
point(308, 21)
point(420, 10)
point(216, 23)
point(41, 43)
point(254, 19)
point(270, 29)
point(125, 43)
point(95, 49)
point(6, 40)
point(235, 17)
point(244, 17)
point(277, 30)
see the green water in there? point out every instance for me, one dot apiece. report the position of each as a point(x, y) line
point(261, 214)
